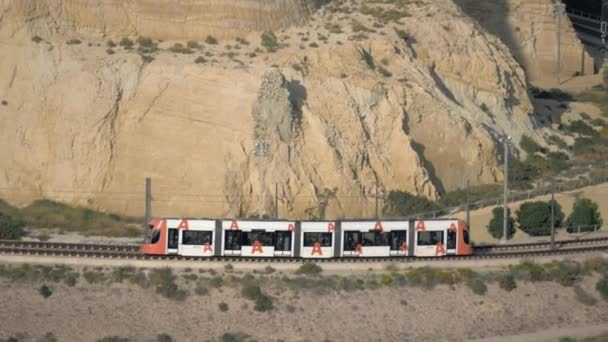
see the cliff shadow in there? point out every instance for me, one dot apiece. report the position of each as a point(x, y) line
point(298, 96)
point(419, 148)
point(491, 16)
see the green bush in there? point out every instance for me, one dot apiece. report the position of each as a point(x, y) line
point(507, 282)
point(223, 307)
point(477, 286)
point(114, 339)
point(495, 227)
point(11, 228)
point(50, 214)
point(400, 203)
point(270, 41)
point(126, 43)
point(254, 293)
point(200, 60)
point(164, 338)
point(211, 40)
point(584, 297)
point(45, 291)
point(179, 48)
point(529, 145)
point(602, 287)
point(534, 218)
point(584, 214)
point(164, 280)
point(73, 42)
point(309, 268)
point(582, 128)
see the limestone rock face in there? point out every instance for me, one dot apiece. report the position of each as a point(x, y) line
point(323, 127)
point(162, 19)
point(529, 28)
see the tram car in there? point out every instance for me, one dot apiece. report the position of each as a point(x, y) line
point(307, 239)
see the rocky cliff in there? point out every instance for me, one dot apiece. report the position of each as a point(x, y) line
point(159, 19)
point(529, 28)
point(408, 97)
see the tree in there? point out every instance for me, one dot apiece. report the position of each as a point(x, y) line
point(534, 218)
point(10, 228)
point(495, 227)
point(585, 214)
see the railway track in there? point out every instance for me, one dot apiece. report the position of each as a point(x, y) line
point(131, 252)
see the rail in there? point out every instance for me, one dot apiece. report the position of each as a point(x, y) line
point(131, 252)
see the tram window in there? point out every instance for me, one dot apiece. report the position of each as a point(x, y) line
point(465, 235)
point(194, 237)
point(430, 238)
point(265, 238)
point(325, 239)
point(374, 238)
point(351, 239)
point(233, 240)
point(397, 238)
point(155, 236)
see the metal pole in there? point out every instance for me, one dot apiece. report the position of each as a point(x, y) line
point(559, 10)
point(468, 207)
point(552, 218)
point(148, 206)
point(377, 196)
point(505, 142)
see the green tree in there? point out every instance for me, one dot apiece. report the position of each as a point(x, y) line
point(10, 227)
point(495, 227)
point(585, 214)
point(534, 218)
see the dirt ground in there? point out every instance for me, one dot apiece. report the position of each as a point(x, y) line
point(540, 311)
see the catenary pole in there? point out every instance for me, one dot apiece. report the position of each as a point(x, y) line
point(505, 142)
point(552, 217)
point(148, 206)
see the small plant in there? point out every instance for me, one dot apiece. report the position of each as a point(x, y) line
point(270, 42)
point(110, 44)
point(228, 268)
point(386, 280)
point(164, 280)
point(192, 44)
point(11, 228)
point(242, 41)
point(507, 282)
point(36, 39)
point(200, 60)
point(48, 337)
point(201, 290)
point(73, 41)
point(4, 103)
point(223, 307)
point(179, 48)
point(602, 287)
point(164, 338)
point(45, 291)
point(269, 270)
point(309, 268)
point(126, 43)
point(477, 286)
point(584, 297)
point(313, 45)
point(402, 34)
point(211, 40)
point(254, 293)
point(110, 51)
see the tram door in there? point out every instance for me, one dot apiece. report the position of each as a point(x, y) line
point(172, 241)
point(232, 242)
point(451, 243)
point(282, 243)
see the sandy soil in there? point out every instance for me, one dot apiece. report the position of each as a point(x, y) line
point(89, 312)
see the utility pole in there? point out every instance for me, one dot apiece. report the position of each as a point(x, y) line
point(377, 195)
point(276, 201)
point(559, 10)
point(468, 206)
point(261, 151)
point(552, 217)
point(505, 143)
point(148, 207)
point(604, 22)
